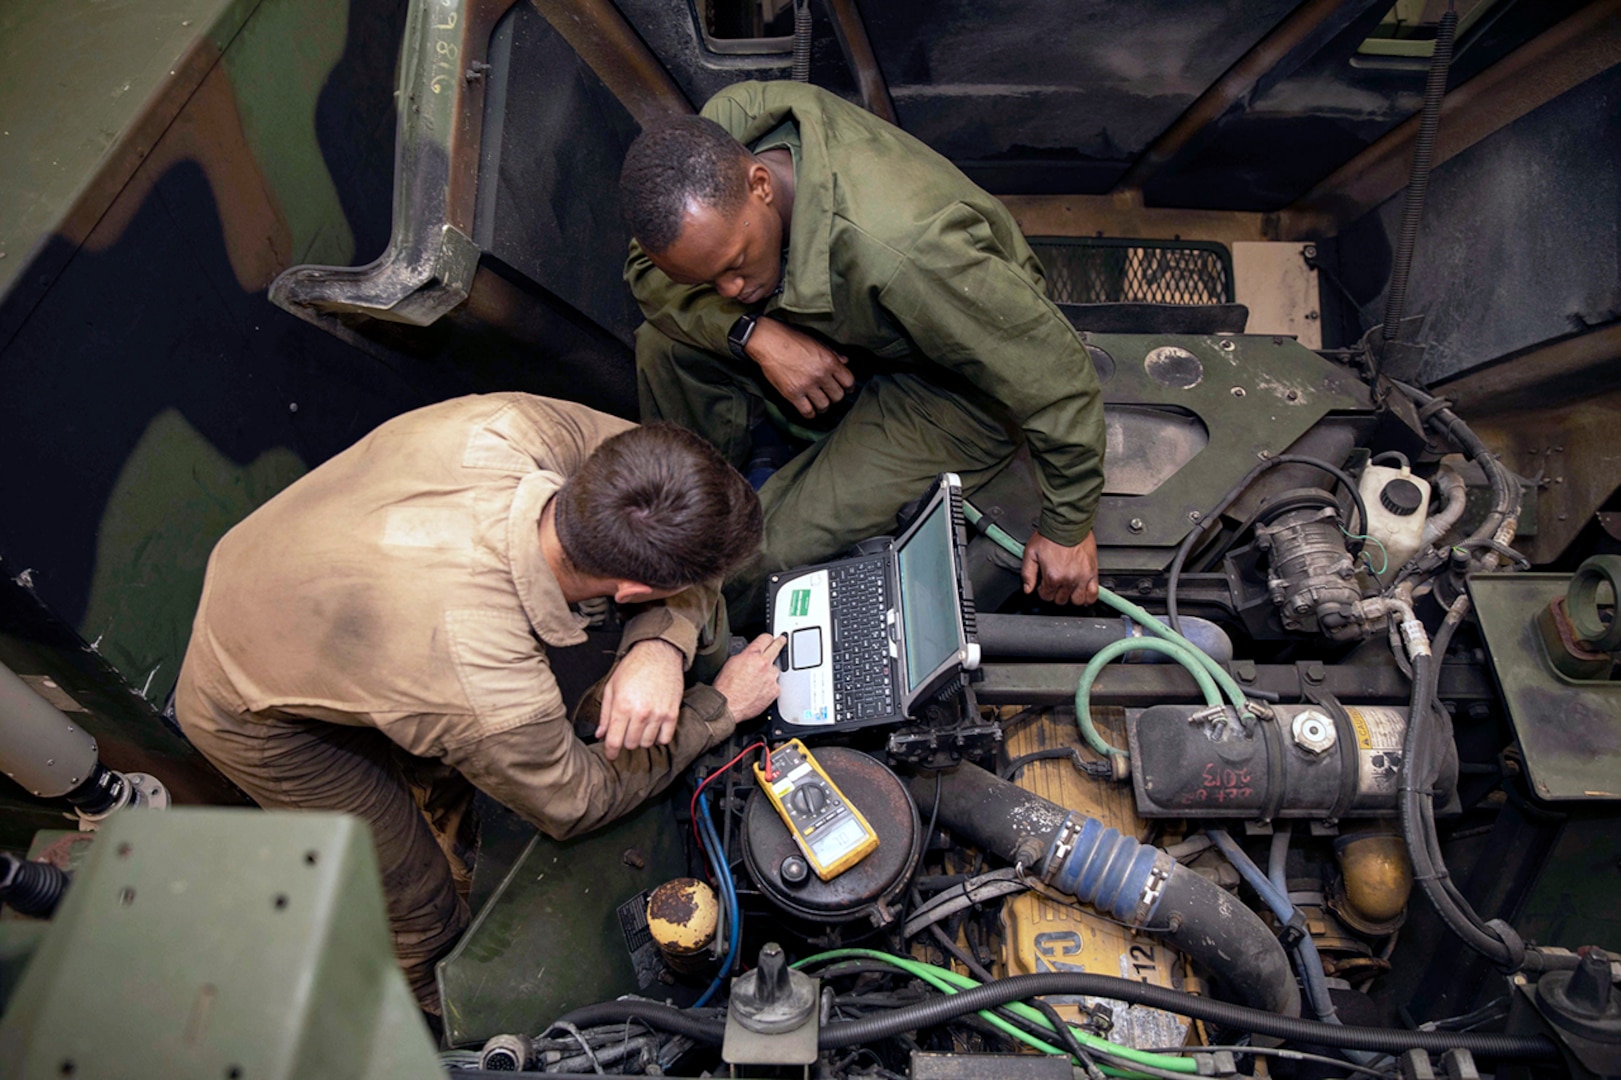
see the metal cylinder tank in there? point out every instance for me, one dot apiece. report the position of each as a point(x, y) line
point(872, 887)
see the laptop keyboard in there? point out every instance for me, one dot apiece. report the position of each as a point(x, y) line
point(863, 685)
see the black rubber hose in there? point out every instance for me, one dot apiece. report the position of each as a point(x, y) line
point(1505, 488)
point(1435, 89)
point(1081, 857)
point(1188, 542)
point(1024, 987)
point(31, 888)
point(1500, 944)
point(1207, 925)
point(1066, 1035)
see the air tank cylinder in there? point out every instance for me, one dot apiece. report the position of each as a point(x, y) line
point(1318, 761)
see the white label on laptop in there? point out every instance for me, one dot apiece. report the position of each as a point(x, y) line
point(802, 612)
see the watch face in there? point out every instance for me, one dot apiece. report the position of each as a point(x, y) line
point(738, 337)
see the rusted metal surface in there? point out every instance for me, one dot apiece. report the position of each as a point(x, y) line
point(1575, 50)
point(851, 33)
point(682, 916)
point(605, 41)
point(1302, 32)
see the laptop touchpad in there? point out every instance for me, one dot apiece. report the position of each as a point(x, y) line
point(806, 647)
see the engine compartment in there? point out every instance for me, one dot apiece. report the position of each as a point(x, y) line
point(1252, 815)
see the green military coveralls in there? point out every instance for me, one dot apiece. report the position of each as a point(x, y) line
point(925, 282)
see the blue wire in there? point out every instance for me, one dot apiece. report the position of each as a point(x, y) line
point(728, 890)
point(1276, 896)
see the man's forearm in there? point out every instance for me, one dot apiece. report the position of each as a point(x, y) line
point(565, 787)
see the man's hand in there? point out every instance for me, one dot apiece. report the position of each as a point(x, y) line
point(1065, 575)
point(748, 682)
point(642, 699)
point(806, 372)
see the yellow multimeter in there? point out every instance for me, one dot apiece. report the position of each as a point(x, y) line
point(831, 832)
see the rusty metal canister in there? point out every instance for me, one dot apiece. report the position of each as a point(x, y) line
point(682, 916)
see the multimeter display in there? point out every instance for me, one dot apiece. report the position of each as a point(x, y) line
point(832, 833)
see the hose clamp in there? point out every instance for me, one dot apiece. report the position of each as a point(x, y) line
point(1158, 875)
point(1062, 847)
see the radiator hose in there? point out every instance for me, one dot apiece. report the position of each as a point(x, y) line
point(1139, 885)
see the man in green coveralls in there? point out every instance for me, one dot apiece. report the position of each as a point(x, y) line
point(795, 255)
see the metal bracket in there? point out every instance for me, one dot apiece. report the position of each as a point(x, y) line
point(428, 267)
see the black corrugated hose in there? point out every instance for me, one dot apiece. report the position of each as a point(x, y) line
point(31, 888)
point(802, 40)
point(1022, 987)
point(1423, 159)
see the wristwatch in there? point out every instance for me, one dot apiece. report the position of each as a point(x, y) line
point(737, 338)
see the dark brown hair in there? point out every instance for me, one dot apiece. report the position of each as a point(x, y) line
point(657, 505)
point(685, 160)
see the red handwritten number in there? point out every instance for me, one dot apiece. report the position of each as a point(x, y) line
point(1230, 785)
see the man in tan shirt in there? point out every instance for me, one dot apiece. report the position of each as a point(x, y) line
point(403, 596)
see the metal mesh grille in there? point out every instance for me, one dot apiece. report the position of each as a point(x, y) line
point(1100, 271)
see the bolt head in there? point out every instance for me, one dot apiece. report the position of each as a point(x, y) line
point(1136, 525)
point(1195, 517)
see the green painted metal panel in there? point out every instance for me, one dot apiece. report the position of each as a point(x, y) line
point(176, 495)
point(75, 77)
point(549, 939)
point(219, 944)
point(278, 65)
point(1255, 394)
point(1569, 730)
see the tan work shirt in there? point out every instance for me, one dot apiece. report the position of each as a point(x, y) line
point(401, 586)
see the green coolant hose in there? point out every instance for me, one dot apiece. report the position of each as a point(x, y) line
point(1206, 672)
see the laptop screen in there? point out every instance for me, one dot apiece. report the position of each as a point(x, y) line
point(928, 595)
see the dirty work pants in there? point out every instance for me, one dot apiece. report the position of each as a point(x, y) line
point(903, 429)
point(296, 764)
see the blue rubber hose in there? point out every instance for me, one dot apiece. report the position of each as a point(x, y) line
point(1275, 896)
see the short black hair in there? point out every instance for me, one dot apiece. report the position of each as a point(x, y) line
point(682, 161)
point(657, 505)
